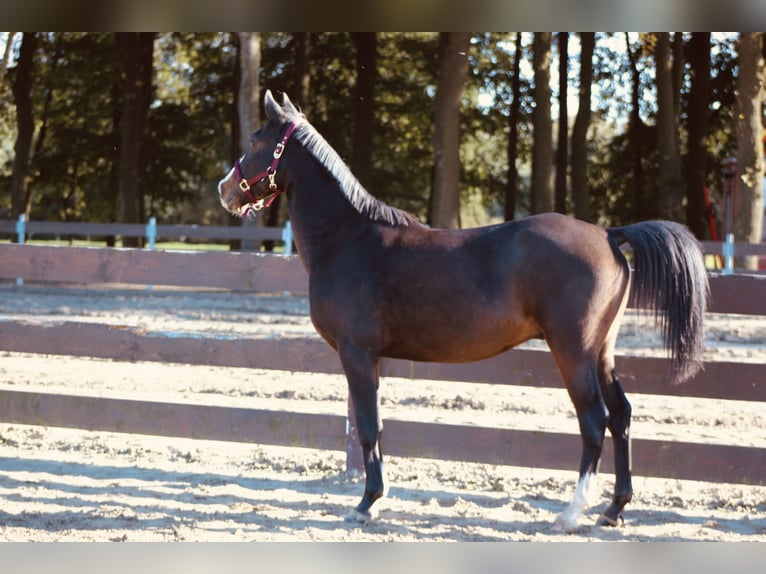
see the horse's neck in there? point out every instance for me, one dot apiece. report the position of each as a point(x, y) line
point(322, 217)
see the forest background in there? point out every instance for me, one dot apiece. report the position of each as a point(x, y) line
point(461, 129)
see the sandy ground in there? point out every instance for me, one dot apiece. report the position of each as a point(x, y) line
point(60, 484)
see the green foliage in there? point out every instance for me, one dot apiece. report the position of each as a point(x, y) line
point(721, 140)
point(77, 96)
point(188, 143)
point(485, 125)
point(403, 147)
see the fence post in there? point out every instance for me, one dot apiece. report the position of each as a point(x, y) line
point(287, 237)
point(21, 232)
point(151, 236)
point(729, 170)
point(728, 254)
point(151, 232)
point(21, 228)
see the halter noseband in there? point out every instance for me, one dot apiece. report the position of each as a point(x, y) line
point(270, 174)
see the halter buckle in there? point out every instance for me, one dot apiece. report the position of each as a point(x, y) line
point(243, 185)
point(280, 147)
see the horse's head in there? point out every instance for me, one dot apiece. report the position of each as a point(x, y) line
point(255, 180)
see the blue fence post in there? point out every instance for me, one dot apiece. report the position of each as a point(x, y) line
point(21, 232)
point(151, 232)
point(21, 228)
point(287, 237)
point(728, 254)
point(151, 237)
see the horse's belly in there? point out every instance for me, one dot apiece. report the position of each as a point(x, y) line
point(462, 345)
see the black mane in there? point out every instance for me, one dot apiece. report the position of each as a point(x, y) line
point(359, 197)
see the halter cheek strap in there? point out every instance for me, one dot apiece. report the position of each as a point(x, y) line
point(270, 173)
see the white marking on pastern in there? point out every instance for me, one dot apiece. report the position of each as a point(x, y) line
point(583, 499)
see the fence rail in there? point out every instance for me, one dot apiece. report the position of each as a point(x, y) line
point(152, 231)
point(207, 269)
point(256, 272)
point(739, 293)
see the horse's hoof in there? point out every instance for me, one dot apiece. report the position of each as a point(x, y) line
point(356, 516)
point(605, 520)
point(564, 525)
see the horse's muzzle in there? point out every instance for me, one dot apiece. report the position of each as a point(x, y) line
point(228, 193)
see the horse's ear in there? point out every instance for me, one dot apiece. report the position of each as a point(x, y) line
point(271, 106)
point(288, 105)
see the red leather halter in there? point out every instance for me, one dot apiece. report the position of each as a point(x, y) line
point(270, 174)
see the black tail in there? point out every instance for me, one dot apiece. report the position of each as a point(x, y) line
point(669, 278)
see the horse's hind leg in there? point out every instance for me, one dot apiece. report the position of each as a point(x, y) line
point(362, 373)
point(582, 385)
point(619, 427)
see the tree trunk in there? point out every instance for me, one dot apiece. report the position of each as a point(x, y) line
point(635, 135)
point(303, 71)
point(445, 196)
point(116, 90)
point(248, 109)
point(678, 72)
point(580, 191)
point(235, 151)
point(299, 96)
point(300, 93)
point(45, 114)
point(248, 102)
point(511, 190)
point(6, 54)
point(699, 100)
point(748, 219)
point(136, 50)
point(669, 179)
point(562, 145)
point(22, 87)
point(542, 151)
point(364, 105)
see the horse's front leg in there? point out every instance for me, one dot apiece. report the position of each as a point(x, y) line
point(361, 367)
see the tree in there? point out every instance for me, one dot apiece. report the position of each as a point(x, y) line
point(562, 143)
point(699, 101)
point(671, 193)
point(542, 153)
point(22, 87)
point(445, 195)
point(403, 155)
point(137, 49)
point(77, 103)
point(248, 106)
point(748, 219)
point(299, 94)
point(364, 105)
point(513, 137)
point(635, 133)
point(6, 54)
point(678, 72)
point(248, 99)
point(580, 191)
point(302, 72)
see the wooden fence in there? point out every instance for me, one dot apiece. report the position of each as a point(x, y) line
point(258, 272)
point(151, 231)
point(22, 229)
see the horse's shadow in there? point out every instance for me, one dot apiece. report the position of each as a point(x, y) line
point(249, 510)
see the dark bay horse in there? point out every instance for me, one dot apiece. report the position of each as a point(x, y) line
point(383, 285)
